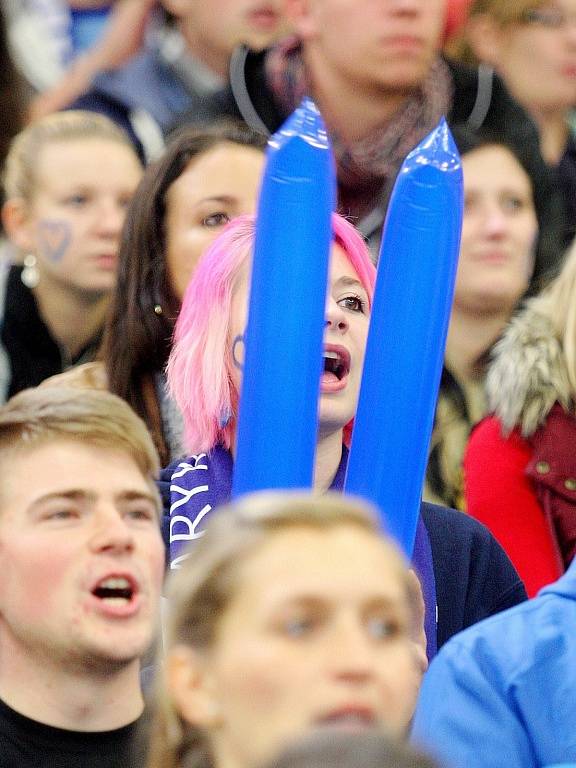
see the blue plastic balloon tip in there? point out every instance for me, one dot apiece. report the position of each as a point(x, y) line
point(437, 149)
point(306, 123)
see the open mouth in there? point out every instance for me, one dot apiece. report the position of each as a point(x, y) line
point(336, 363)
point(115, 590)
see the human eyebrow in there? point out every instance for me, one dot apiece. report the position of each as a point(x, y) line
point(75, 495)
point(223, 199)
point(349, 282)
point(301, 600)
point(77, 189)
point(384, 602)
point(140, 496)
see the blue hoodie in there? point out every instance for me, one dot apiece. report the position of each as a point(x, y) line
point(503, 693)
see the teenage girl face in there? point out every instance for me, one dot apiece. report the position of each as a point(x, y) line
point(73, 222)
point(317, 636)
point(498, 232)
point(347, 318)
point(215, 187)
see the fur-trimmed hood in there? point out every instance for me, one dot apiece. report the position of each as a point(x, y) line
point(528, 373)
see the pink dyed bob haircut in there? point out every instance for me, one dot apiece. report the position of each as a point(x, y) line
point(200, 364)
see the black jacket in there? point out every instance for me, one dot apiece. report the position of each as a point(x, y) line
point(28, 351)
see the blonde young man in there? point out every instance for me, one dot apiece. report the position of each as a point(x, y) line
point(82, 563)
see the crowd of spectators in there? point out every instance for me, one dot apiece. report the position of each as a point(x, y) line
point(149, 619)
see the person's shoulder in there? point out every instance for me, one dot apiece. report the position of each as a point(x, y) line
point(514, 635)
point(87, 376)
point(458, 534)
point(440, 520)
point(488, 429)
point(138, 81)
point(459, 543)
point(489, 446)
point(474, 576)
point(144, 63)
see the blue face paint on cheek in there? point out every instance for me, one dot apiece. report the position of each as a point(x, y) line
point(238, 352)
point(54, 236)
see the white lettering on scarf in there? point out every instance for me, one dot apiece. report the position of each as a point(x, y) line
point(191, 533)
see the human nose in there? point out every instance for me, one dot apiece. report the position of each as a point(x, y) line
point(335, 317)
point(110, 218)
point(571, 31)
point(352, 652)
point(111, 534)
point(495, 222)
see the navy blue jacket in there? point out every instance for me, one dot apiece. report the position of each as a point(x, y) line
point(473, 576)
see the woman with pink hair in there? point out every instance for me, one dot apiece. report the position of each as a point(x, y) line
point(465, 575)
point(204, 366)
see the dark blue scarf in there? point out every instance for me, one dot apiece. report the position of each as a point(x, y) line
point(197, 485)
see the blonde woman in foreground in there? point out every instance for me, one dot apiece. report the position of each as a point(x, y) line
point(295, 614)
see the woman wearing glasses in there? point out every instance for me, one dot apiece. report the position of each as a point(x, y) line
point(532, 45)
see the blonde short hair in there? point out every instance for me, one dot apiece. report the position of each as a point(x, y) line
point(35, 417)
point(19, 179)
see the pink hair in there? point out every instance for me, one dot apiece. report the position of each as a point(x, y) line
point(200, 364)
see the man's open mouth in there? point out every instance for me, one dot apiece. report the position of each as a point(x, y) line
point(115, 589)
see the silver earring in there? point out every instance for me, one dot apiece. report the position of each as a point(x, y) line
point(158, 309)
point(30, 275)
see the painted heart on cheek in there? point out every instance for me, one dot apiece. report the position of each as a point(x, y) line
point(54, 238)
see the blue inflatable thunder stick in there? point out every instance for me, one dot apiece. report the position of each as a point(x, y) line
point(407, 336)
point(277, 423)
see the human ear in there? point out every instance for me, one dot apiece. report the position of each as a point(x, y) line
point(485, 38)
point(16, 223)
point(189, 684)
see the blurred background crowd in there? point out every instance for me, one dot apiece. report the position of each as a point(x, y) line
point(132, 146)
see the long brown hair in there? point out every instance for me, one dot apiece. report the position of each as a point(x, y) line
point(138, 338)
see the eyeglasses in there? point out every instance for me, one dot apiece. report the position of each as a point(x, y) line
point(549, 18)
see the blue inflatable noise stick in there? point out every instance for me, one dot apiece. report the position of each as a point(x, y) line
point(407, 335)
point(277, 424)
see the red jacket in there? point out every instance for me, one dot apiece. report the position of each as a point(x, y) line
point(520, 464)
point(524, 491)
